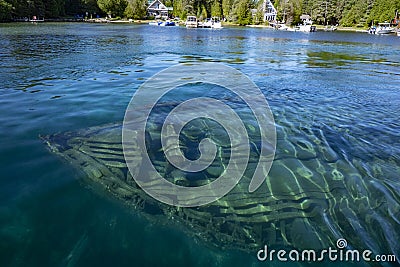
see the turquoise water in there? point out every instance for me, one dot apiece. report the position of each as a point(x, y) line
point(65, 77)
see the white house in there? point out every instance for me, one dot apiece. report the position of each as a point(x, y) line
point(158, 10)
point(269, 11)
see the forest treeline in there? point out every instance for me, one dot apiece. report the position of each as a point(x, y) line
point(360, 13)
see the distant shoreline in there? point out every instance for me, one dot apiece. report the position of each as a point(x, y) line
point(141, 21)
point(319, 27)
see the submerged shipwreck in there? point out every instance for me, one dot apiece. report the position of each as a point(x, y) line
point(312, 196)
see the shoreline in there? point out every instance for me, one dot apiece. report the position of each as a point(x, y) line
point(144, 21)
point(319, 28)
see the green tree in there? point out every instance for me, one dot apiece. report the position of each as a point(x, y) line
point(202, 12)
point(5, 10)
point(136, 9)
point(114, 8)
point(383, 10)
point(73, 7)
point(353, 13)
point(259, 17)
point(54, 8)
point(179, 9)
point(283, 8)
point(90, 6)
point(290, 11)
point(295, 11)
point(216, 9)
point(243, 12)
point(227, 9)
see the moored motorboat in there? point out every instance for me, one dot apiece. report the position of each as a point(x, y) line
point(210, 23)
point(372, 30)
point(307, 24)
point(191, 22)
point(205, 24)
point(280, 26)
point(36, 19)
point(384, 28)
point(216, 23)
point(162, 23)
point(167, 23)
point(155, 23)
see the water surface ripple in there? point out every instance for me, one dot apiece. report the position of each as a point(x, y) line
point(326, 90)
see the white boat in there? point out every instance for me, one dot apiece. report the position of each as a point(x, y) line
point(398, 33)
point(162, 23)
point(155, 23)
point(167, 23)
point(191, 22)
point(284, 27)
point(36, 19)
point(306, 28)
point(281, 26)
point(372, 30)
point(307, 24)
point(330, 28)
point(384, 28)
point(205, 24)
point(216, 23)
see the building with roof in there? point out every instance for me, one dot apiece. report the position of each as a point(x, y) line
point(269, 11)
point(158, 10)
